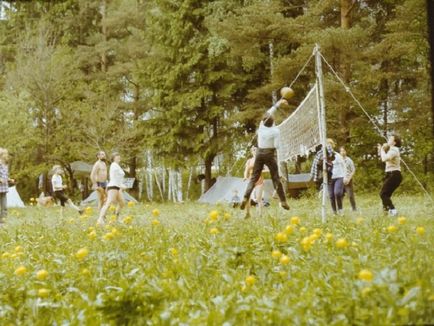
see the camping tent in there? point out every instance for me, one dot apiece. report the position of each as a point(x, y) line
point(13, 198)
point(93, 199)
point(81, 168)
point(223, 190)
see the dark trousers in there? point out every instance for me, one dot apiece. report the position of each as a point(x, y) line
point(336, 192)
point(350, 192)
point(391, 182)
point(265, 156)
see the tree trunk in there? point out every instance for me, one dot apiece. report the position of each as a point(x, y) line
point(179, 186)
point(158, 185)
point(190, 177)
point(103, 11)
point(208, 171)
point(150, 185)
point(133, 174)
point(430, 11)
point(384, 93)
point(346, 8)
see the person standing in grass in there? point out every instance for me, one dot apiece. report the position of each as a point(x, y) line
point(348, 179)
point(114, 189)
point(389, 153)
point(98, 176)
point(4, 183)
point(59, 190)
point(336, 186)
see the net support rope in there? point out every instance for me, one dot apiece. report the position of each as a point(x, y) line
point(290, 85)
point(348, 90)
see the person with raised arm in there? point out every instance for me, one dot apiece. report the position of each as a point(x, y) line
point(389, 153)
point(268, 142)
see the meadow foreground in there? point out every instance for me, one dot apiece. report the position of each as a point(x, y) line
point(195, 264)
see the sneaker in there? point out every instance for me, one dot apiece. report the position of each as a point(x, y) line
point(341, 212)
point(284, 205)
point(393, 212)
point(100, 222)
point(243, 204)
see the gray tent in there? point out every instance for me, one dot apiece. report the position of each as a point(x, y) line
point(223, 190)
point(81, 168)
point(93, 199)
point(13, 198)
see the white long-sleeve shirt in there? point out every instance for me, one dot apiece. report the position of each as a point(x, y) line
point(116, 176)
point(392, 159)
point(56, 182)
point(268, 137)
point(339, 167)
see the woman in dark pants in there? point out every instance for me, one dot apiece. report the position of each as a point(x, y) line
point(389, 154)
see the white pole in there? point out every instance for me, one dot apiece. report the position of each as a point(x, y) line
point(323, 130)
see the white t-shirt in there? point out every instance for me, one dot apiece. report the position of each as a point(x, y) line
point(116, 176)
point(56, 182)
point(268, 137)
point(339, 167)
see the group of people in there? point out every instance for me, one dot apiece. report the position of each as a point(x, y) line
point(340, 169)
point(109, 190)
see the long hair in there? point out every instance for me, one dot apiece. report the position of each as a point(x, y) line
point(398, 140)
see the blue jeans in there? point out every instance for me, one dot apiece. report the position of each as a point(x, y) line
point(336, 192)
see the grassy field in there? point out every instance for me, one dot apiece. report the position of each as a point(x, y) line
point(195, 264)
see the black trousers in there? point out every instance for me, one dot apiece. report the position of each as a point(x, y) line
point(268, 157)
point(391, 182)
point(60, 195)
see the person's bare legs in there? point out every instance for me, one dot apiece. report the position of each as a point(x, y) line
point(259, 196)
point(102, 196)
point(72, 205)
point(111, 198)
point(121, 203)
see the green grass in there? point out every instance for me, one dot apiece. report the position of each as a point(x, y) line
point(178, 272)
